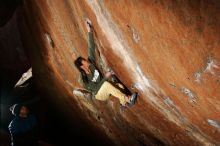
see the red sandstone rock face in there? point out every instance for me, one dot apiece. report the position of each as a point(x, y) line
point(168, 51)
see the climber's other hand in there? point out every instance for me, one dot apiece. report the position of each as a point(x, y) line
point(108, 74)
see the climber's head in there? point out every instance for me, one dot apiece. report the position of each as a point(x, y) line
point(81, 63)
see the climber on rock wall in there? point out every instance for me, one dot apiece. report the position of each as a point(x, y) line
point(94, 81)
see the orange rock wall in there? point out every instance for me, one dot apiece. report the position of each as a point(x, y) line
point(166, 50)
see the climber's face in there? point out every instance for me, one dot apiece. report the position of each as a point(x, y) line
point(24, 112)
point(85, 64)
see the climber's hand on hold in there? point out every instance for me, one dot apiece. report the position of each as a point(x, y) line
point(89, 25)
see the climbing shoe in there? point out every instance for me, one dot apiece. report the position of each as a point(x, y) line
point(133, 99)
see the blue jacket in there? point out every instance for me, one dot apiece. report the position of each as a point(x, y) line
point(23, 131)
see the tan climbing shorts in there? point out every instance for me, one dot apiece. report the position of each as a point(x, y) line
point(108, 89)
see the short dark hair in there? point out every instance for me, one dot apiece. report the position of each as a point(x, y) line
point(78, 64)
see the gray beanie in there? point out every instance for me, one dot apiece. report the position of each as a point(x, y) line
point(15, 109)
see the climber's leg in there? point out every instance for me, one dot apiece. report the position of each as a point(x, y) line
point(108, 89)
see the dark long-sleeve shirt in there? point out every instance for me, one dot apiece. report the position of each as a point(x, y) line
point(95, 78)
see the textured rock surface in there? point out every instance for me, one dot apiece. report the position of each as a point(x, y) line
point(166, 50)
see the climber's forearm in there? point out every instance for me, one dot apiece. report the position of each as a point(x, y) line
point(91, 46)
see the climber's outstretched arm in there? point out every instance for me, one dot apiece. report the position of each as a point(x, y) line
point(91, 44)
